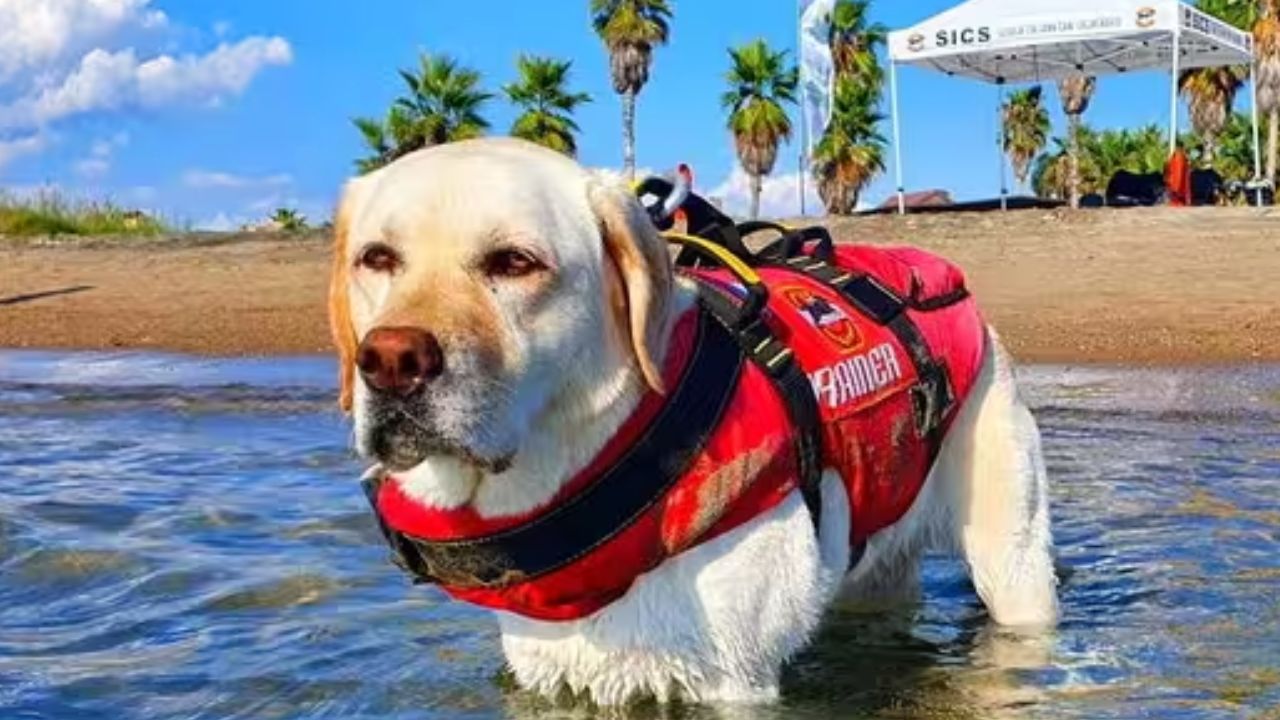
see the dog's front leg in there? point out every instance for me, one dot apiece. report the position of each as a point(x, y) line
point(715, 624)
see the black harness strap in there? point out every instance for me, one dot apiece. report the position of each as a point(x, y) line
point(608, 506)
point(779, 363)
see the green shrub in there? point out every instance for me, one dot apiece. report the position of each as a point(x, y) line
point(51, 213)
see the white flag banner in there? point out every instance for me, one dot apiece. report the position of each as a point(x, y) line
point(817, 70)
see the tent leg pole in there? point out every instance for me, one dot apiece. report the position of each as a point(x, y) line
point(897, 137)
point(1004, 177)
point(1257, 139)
point(1173, 93)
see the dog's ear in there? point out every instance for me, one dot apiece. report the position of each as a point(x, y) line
point(633, 245)
point(341, 325)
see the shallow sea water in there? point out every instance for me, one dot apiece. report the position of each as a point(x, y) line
point(185, 537)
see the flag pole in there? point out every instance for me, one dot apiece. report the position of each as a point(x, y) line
point(1173, 92)
point(804, 124)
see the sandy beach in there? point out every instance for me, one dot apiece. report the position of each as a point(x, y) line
point(1135, 287)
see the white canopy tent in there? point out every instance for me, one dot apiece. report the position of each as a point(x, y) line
point(1030, 41)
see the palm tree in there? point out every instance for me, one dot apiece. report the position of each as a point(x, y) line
point(1026, 129)
point(1076, 93)
point(1051, 171)
point(1211, 95)
point(444, 101)
point(853, 41)
point(630, 29)
point(1233, 155)
point(388, 140)
point(547, 104)
point(1149, 149)
point(376, 139)
point(1266, 47)
point(443, 105)
point(1143, 151)
point(760, 82)
point(1211, 92)
point(1101, 154)
point(289, 220)
point(1240, 13)
point(851, 152)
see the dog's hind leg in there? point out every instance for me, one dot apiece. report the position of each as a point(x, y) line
point(884, 582)
point(888, 576)
point(999, 498)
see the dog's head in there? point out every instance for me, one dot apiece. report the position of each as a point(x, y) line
point(479, 288)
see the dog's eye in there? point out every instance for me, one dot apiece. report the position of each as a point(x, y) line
point(379, 258)
point(511, 263)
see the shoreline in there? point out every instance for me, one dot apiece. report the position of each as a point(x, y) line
point(1158, 287)
point(1021, 359)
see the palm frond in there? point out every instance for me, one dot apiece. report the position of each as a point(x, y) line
point(851, 151)
point(542, 94)
point(1026, 129)
point(443, 103)
point(854, 41)
point(761, 81)
point(630, 29)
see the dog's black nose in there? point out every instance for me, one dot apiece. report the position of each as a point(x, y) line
point(399, 360)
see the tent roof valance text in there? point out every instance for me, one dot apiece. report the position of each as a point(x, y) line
point(1016, 41)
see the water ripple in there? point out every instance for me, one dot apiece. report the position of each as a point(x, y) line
point(184, 538)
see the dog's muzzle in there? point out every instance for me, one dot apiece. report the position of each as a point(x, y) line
point(398, 440)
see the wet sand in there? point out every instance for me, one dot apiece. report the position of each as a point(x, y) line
point(1135, 287)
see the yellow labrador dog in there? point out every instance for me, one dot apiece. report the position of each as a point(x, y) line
point(500, 311)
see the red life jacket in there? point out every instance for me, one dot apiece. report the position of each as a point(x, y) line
point(720, 448)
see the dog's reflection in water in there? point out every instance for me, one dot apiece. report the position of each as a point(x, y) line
point(869, 663)
point(884, 663)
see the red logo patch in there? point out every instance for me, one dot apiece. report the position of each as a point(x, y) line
point(827, 317)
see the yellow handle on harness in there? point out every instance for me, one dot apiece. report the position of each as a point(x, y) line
point(735, 265)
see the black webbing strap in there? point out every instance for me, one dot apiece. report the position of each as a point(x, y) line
point(791, 242)
point(779, 363)
point(620, 496)
point(710, 228)
point(932, 396)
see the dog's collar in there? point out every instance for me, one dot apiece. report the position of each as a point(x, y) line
point(635, 469)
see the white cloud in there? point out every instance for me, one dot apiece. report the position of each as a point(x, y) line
point(212, 179)
point(98, 162)
point(37, 34)
point(313, 210)
point(227, 70)
point(256, 212)
point(142, 193)
point(221, 222)
point(267, 203)
point(60, 59)
point(779, 197)
point(106, 81)
point(92, 168)
point(24, 145)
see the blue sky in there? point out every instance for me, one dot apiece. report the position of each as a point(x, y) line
point(212, 113)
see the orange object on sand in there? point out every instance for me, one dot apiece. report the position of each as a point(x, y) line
point(1177, 179)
